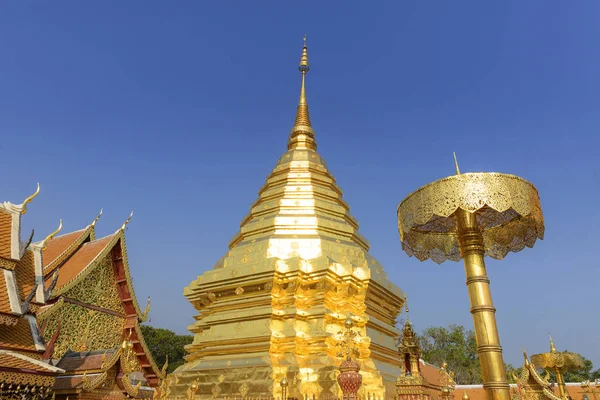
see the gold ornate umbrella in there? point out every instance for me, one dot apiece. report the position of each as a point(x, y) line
point(470, 216)
point(559, 362)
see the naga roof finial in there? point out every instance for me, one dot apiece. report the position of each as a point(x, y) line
point(126, 222)
point(97, 218)
point(144, 316)
point(28, 200)
point(525, 357)
point(51, 236)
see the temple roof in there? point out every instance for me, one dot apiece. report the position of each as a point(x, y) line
point(84, 360)
point(60, 247)
point(5, 233)
point(10, 359)
point(4, 300)
point(18, 337)
point(25, 275)
point(81, 262)
point(77, 254)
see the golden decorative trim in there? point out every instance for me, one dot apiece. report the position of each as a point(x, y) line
point(28, 200)
point(8, 264)
point(8, 320)
point(47, 311)
point(51, 235)
point(17, 378)
point(508, 213)
point(142, 342)
point(48, 269)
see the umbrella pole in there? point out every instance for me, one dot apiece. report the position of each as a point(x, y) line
point(484, 319)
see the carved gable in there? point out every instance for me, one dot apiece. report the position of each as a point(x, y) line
point(99, 288)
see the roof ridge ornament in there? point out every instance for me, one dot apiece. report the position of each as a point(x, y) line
point(302, 134)
point(28, 200)
point(93, 224)
point(51, 235)
point(122, 228)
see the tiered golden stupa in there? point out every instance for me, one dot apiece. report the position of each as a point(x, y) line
point(274, 305)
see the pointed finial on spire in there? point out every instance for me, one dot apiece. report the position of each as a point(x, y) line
point(456, 164)
point(28, 200)
point(465, 396)
point(552, 348)
point(302, 133)
point(51, 236)
point(97, 218)
point(406, 306)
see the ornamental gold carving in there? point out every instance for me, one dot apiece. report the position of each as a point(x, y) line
point(99, 288)
point(83, 329)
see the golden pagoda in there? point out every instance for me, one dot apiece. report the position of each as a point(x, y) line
point(272, 306)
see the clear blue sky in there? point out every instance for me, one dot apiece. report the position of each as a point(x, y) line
point(179, 110)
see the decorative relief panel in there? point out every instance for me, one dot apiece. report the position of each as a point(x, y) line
point(99, 288)
point(83, 329)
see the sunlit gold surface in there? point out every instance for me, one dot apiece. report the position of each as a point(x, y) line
point(469, 216)
point(531, 385)
point(29, 199)
point(559, 362)
point(507, 209)
point(272, 306)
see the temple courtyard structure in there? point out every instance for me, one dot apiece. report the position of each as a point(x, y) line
point(297, 308)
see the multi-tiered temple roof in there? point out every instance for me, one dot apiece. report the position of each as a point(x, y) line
point(66, 301)
point(22, 371)
point(93, 306)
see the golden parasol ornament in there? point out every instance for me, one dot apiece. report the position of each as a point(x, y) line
point(471, 216)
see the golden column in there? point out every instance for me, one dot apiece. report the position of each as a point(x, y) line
point(470, 216)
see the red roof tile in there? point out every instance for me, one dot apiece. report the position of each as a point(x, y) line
point(84, 361)
point(4, 300)
point(17, 337)
point(430, 372)
point(58, 245)
point(9, 359)
point(5, 233)
point(80, 260)
point(25, 275)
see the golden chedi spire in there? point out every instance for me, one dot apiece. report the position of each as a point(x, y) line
point(296, 267)
point(302, 134)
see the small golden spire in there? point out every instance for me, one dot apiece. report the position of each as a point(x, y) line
point(51, 236)
point(465, 396)
point(456, 164)
point(552, 348)
point(28, 200)
point(302, 133)
point(97, 218)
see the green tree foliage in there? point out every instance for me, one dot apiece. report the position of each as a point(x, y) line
point(456, 346)
point(163, 342)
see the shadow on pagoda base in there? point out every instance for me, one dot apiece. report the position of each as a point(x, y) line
point(254, 376)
